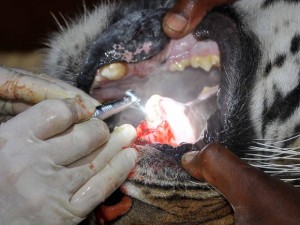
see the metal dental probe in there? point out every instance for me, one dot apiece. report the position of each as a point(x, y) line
point(129, 100)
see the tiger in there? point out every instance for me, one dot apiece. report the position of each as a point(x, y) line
point(256, 111)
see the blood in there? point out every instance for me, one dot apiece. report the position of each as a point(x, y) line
point(162, 134)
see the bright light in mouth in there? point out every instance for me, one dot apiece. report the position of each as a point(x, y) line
point(185, 121)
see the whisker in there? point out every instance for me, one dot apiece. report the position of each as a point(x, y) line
point(278, 162)
point(279, 140)
point(57, 22)
point(65, 20)
point(272, 148)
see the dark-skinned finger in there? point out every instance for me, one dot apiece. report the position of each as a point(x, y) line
point(186, 15)
point(249, 190)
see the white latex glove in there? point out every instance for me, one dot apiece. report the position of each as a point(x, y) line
point(36, 185)
point(20, 89)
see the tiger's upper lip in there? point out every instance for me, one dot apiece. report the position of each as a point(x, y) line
point(127, 35)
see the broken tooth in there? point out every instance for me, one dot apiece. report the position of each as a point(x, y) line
point(114, 71)
point(153, 111)
point(179, 66)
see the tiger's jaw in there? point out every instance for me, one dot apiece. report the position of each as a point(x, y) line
point(158, 176)
point(142, 49)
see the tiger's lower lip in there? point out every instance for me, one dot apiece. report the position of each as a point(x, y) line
point(176, 152)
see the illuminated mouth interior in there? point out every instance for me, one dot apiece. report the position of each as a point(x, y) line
point(178, 86)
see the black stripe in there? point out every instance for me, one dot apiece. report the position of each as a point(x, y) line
point(268, 69)
point(295, 44)
point(281, 108)
point(289, 104)
point(271, 113)
point(182, 186)
point(280, 60)
point(216, 218)
point(264, 118)
point(268, 3)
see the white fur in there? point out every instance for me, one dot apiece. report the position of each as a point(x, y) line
point(263, 23)
point(80, 32)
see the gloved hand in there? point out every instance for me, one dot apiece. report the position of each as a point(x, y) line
point(39, 185)
point(19, 89)
point(187, 14)
point(255, 197)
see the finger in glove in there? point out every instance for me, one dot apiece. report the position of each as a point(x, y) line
point(51, 117)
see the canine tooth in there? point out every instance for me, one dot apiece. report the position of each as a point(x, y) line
point(179, 66)
point(204, 62)
point(114, 71)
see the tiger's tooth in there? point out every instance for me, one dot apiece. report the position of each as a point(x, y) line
point(208, 91)
point(179, 66)
point(114, 71)
point(153, 111)
point(215, 60)
point(204, 62)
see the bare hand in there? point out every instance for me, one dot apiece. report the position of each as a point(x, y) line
point(255, 197)
point(186, 15)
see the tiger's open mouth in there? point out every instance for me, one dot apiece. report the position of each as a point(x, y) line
point(180, 77)
point(195, 87)
point(178, 85)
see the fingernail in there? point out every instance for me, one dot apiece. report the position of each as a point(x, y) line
point(187, 158)
point(176, 22)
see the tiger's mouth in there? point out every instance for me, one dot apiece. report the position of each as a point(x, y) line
point(180, 78)
point(135, 54)
point(179, 85)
